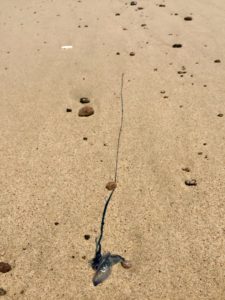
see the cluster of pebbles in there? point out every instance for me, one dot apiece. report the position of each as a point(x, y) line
point(84, 111)
point(189, 182)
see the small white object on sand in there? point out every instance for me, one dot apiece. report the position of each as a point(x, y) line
point(67, 47)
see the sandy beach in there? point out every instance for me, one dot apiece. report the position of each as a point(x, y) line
point(54, 165)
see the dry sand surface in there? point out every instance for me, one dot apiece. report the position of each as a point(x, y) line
point(53, 181)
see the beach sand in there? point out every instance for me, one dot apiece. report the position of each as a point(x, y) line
point(52, 180)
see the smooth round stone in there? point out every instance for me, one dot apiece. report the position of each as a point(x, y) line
point(86, 111)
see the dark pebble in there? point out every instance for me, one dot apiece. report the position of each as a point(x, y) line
point(177, 45)
point(191, 182)
point(188, 19)
point(133, 3)
point(117, 14)
point(162, 5)
point(220, 115)
point(2, 292)
point(87, 237)
point(5, 267)
point(140, 8)
point(117, 53)
point(111, 185)
point(84, 100)
point(85, 138)
point(68, 110)
point(217, 61)
point(86, 111)
point(56, 223)
point(132, 54)
point(186, 169)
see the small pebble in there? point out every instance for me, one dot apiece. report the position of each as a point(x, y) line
point(191, 182)
point(68, 110)
point(86, 111)
point(84, 100)
point(162, 5)
point(188, 19)
point(111, 185)
point(133, 3)
point(177, 45)
point(186, 169)
point(126, 264)
point(87, 237)
point(85, 138)
point(217, 61)
point(132, 54)
point(220, 115)
point(2, 292)
point(5, 267)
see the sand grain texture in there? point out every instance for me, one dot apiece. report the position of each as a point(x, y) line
point(53, 182)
